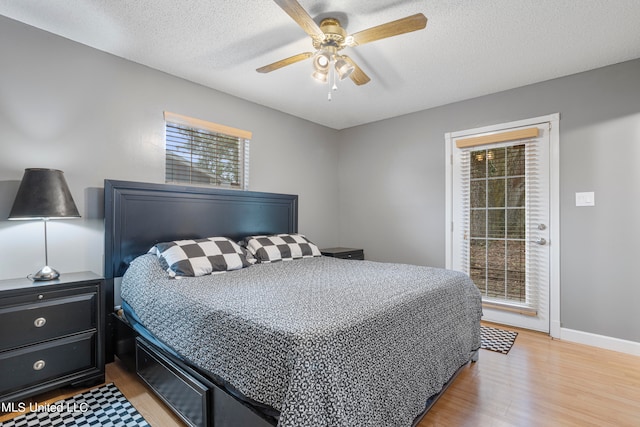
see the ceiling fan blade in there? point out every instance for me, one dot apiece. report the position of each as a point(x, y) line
point(284, 62)
point(390, 29)
point(357, 76)
point(302, 18)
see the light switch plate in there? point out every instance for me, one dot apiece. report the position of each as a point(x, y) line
point(585, 199)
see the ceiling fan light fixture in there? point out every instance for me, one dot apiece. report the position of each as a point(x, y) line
point(343, 68)
point(320, 75)
point(321, 61)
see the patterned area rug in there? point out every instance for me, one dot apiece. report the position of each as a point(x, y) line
point(495, 339)
point(103, 406)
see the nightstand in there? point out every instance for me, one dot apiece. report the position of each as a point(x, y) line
point(51, 334)
point(344, 253)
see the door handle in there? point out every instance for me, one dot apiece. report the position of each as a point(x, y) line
point(541, 241)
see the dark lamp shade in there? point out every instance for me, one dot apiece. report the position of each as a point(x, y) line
point(43, 194)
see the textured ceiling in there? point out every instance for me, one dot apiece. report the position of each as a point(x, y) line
point(469, 48)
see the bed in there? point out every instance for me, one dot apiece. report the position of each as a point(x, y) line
point(314, 341)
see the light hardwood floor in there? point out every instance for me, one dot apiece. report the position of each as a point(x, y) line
point(541, 382)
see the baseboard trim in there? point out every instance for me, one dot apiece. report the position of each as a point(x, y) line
point(601, 341)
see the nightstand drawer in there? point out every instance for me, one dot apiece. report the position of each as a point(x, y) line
point(25, 324)
point(51, 360)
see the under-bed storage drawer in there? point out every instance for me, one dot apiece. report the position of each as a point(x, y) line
point(188, 397)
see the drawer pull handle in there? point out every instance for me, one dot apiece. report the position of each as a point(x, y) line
point(39, 365)
point(39, 322)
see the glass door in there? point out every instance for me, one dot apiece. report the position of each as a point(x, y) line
point(500, 221)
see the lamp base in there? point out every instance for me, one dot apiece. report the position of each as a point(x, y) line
point(46, 273)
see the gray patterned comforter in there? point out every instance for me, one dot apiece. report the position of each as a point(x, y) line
point(327, 342)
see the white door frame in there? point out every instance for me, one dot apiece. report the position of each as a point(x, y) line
point(554, 204)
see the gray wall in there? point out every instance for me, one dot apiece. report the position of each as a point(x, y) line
point(392, 187)
point(378, 186)
point(95, 116)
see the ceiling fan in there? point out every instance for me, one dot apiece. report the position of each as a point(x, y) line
point(329, 38)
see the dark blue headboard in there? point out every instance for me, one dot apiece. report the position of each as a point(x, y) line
point(138, 215)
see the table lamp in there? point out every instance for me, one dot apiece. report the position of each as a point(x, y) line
point(44, 194)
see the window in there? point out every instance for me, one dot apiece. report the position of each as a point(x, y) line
point(497, 238)
point(201, 152)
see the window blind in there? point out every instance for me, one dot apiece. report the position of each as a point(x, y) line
point(205, 153)
point(499, 196)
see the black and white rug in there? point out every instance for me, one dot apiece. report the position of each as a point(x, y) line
point(495, 339)
point(102, 406)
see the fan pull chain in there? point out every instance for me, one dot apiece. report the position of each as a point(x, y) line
point(333, 77)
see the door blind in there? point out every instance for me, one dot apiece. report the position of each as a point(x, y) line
point(500, 194)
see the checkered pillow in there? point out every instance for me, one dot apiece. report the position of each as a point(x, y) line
point(200, 257)
point(280, 247)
